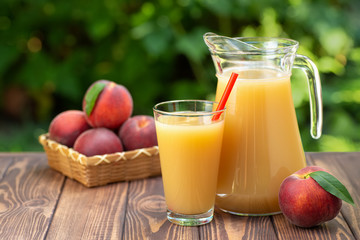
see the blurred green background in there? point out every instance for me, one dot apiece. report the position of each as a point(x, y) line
point(51, 51)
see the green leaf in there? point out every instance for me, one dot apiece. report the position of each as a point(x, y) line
point(92, 95)
point(332, 185)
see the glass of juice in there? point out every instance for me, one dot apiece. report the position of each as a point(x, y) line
point(189, 146)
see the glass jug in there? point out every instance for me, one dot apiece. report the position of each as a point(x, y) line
point(261, 142)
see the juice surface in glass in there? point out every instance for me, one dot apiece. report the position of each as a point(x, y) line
point(189, 149)
point(261, 142)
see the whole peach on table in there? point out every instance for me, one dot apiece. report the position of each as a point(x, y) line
point(67, 126)
point(107, 104)
point(98, 141)
point(138, 132)
point(304, 202)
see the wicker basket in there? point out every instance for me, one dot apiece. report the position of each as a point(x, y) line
point(101, 169)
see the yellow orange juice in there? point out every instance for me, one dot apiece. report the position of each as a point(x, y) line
point(261, 143)
point(189, 149)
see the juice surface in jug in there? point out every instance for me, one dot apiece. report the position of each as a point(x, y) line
point(261, 142)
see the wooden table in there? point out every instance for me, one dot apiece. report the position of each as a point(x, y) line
point(37, 202)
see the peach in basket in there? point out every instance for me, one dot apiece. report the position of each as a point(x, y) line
point(98, 141)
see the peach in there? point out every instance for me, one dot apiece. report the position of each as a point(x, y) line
point(67, 126)
point(98, 141)
point(107, 104)
point(138, 132)
point(304, 202)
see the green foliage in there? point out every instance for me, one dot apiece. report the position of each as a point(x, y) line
point(51, 51)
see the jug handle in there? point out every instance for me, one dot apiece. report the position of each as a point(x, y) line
point(315, 95)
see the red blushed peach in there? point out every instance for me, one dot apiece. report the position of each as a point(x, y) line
point(107, 104)
point(98, 141)
point(304, 202)
point(138, 132)
point(67, 126)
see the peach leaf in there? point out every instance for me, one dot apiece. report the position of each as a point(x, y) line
point(332, 185)
point(92, 95)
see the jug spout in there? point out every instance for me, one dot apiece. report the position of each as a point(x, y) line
point(227, 52)
point(251, 53)
point(217, 43)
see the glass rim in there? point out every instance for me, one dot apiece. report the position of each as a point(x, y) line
point(288, 44)
point(182, 114)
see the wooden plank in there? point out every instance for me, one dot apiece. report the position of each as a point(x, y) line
point(346, 167)
point(228, 226)
point(329, 230)
point(146, 214)
point(5, 162)
point(333, 229)
point(90, 213)
point(29, 191)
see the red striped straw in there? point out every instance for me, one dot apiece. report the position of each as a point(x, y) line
point(225, 95)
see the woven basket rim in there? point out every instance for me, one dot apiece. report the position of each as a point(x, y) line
point(97, 159)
